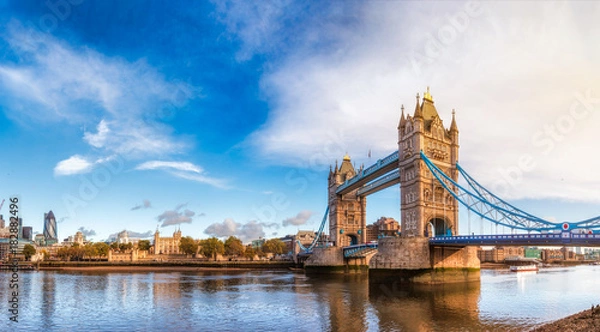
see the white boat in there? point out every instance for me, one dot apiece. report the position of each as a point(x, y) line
point(523, 268)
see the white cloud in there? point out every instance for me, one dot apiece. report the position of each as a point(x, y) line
point(177, 165)
point(74, 165)
point(300, 219)
point(176, 216)
point(511, 71)
point(184, 170)
point(225, 229)
point(98, 139)
point(54, 81)
point(252, 230)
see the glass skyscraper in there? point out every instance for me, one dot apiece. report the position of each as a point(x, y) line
point(50, 230)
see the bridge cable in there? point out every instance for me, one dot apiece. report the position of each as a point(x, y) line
point(318, 235)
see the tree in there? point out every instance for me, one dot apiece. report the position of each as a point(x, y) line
point(90, 251)
point(125, 246)
point(76, 252)
point(114, 245)
point(249, 253)
point(144, 245)
point(212, 247)
point(102, 249)
point(233, 246)
point(64, 253)
point(188, 246)
point(28, 251)
point(274, 246)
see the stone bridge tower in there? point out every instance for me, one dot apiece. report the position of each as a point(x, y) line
point(426, 208)
point(347, 213)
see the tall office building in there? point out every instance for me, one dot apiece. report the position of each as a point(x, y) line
point(28, 233)
point(50, 229)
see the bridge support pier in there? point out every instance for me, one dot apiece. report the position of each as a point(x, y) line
point(325, 260)
point(331, 260)
point(413, 260)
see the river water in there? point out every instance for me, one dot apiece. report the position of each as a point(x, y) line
point(287, 301)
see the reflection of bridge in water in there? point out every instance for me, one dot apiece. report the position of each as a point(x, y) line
point(427, 169)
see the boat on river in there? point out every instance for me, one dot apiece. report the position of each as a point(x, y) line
point(523, 268)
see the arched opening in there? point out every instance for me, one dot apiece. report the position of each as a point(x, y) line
point(353, 239)
point(438, 227)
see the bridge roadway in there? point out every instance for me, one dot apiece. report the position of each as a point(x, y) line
point(381, 167)
point(561, 239)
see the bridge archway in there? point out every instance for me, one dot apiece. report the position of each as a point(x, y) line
point(437, 227)
point(353, 239)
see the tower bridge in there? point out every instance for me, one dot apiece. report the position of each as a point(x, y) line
point(429, 249)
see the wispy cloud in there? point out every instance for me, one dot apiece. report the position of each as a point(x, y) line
point(78, 165)
point(52, 81)
point(184, 170)
point(170, 165)
point(98, 139)
point(145, 205)
point(530, 84)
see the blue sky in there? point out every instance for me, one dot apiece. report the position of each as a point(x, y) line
point(223, 117)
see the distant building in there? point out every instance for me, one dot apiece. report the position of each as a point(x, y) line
point(289, 241)
point(382, 227)
point(499, 254)
point(40, 240)
point(123, 237)
point(2, 221)
point(257, 244)
point(167, 245)
point(28, 233)
point(129, 256)
point(77, 238)
point(50, 229)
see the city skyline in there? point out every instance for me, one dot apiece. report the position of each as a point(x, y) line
point(223, 118)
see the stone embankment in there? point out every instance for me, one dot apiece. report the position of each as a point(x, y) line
point(587, 320)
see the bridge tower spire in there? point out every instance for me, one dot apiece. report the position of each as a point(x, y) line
point(426, 208)
point(347, 212)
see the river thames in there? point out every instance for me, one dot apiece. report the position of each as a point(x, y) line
point(286, 301)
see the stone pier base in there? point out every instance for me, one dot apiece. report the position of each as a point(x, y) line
point(325, 260)
point(412, 260)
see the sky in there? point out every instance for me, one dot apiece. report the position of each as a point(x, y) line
point(223, 117)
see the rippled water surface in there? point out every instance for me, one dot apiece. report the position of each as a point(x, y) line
point(285, 301)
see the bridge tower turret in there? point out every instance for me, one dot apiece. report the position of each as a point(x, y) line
point(347, 213)
point(426, 208)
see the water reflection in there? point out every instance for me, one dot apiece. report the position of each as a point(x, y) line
point(48, 300)
point(342, 300)
point(425, 308)
point(282, 301)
